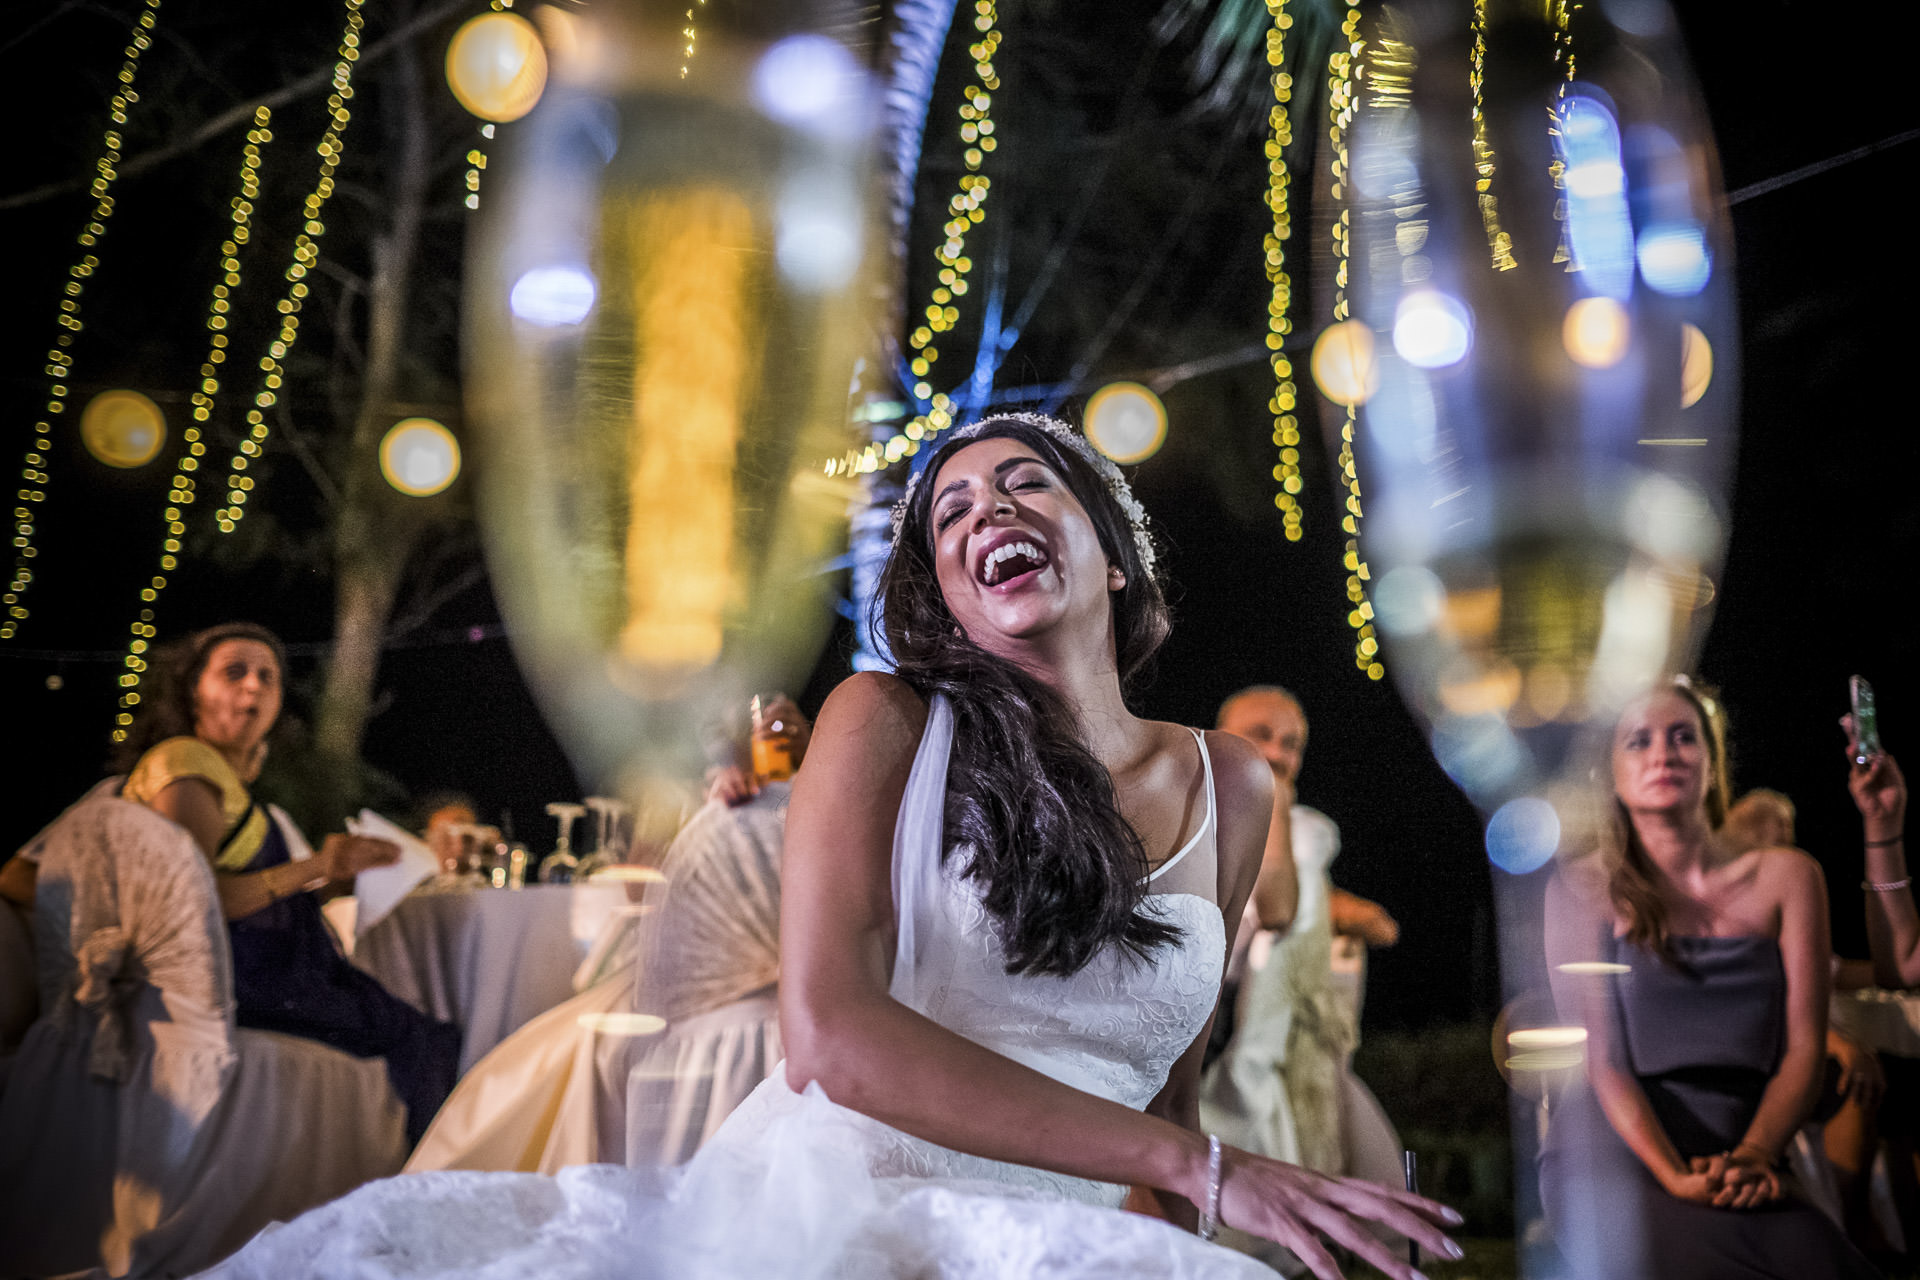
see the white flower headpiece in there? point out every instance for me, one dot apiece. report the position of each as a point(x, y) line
point(1102, 465)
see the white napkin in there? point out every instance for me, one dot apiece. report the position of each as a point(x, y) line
point(380, 889)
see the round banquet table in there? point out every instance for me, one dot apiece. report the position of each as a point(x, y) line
point(487, 960)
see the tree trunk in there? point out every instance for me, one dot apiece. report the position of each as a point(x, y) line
point(375, 528)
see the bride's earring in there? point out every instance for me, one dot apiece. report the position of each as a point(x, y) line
point(1116, 577)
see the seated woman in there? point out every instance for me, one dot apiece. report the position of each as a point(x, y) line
point(1700, 974)
point(200, 741)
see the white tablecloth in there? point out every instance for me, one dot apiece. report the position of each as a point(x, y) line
point(1885, 1021)
point(487, 960)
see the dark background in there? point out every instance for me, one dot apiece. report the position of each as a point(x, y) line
point(1097, 131)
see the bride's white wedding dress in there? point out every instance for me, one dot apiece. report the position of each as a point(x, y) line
point(794, 1186)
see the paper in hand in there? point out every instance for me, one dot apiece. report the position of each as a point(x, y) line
point(380, 889)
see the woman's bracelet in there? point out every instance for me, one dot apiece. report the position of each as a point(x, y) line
point(1210, 1214)
point(1882, 844)
point(1886, 886)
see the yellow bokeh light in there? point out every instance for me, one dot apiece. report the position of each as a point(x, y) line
point(419, 457)
point(1696, 365)
point(497, 67)
point(1344, 366)
point(123, 428)
point(694, 317)
point(1596, 332)
point(1126, 421)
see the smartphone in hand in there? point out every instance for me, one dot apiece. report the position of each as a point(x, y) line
point(1866, 728)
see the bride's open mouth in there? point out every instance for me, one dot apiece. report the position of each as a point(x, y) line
point(1007, 565)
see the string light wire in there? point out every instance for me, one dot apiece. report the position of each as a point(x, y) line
point(1345, 68)
point(306, 253)
point(1286, 426)
point(1499, 242)
point(181, 490)
point(965, 210)
point(59, 367)
point(1561, 13)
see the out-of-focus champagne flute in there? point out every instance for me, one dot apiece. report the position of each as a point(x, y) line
point(1540, 264)
point(666, 307)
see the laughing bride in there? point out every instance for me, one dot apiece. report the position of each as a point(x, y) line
point(1003, 935)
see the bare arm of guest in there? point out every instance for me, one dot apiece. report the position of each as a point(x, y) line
point(17, 880)
point(1362, 918)
point(875, 1055)
point(1893, 926)
point(1276, 891)
point(1793, 882)
point(195, 805)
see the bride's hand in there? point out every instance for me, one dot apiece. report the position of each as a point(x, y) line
point(1293, 1207)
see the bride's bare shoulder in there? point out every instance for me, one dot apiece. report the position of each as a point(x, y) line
point(873, 710)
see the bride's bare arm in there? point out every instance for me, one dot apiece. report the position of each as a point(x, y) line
point(1243, 787)
point(870, 1053)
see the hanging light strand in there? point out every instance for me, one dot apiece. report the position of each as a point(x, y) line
point(306, 252)
point(690, 32)
point(1285, 402)
point(1499, 243)
point(966, 210)
point(59, 367)
point(182, 488)
point(477, 157)
point(1561, 12)
point(1345, 70)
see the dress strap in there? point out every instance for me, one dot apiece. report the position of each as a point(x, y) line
point(1206, 773)
point(917, 846)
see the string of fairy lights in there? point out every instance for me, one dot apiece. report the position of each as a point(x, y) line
point(1286, 427)
point(1561, 12)
point(59, 367)
point(965, 210)
point(1499, 242)
point(477, 156)
point(691, 33)
point(306, 253)
point(181, 489)
point(1344, 69)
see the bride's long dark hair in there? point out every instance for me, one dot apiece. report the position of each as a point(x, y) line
point(1061, 872)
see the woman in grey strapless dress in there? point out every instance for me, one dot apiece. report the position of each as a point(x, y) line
point(1700, 975)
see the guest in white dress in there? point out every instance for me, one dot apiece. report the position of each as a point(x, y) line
point(1284, 1083)
point(1003, 928)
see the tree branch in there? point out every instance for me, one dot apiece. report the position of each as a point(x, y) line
point(242, 113)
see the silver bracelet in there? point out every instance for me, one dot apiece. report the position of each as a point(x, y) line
point(1210, 1215)
point(1887, 886)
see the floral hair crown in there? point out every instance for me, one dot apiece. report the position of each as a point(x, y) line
point(1103, 466)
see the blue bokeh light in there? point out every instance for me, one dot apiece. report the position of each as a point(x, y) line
point(1522, 835)
point(552, 297)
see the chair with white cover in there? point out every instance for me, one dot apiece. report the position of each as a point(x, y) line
point(681, 1025)
point(141, 1132)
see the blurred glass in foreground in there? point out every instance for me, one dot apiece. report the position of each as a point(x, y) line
point(665, 309)
point(1545, 430)
point(1544, 271)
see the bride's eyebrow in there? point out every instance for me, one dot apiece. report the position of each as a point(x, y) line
point(957, 485)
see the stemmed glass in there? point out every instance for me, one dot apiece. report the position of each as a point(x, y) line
point(559, 866)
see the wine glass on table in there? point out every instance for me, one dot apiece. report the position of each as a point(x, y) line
point(559, 866)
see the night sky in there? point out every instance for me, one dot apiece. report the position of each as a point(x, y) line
point(1824, 521)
